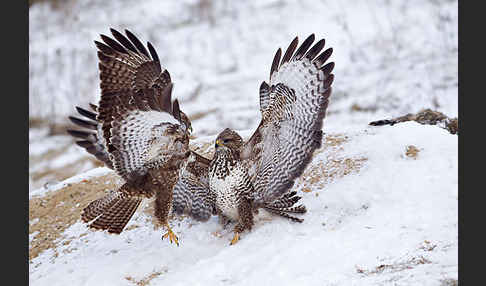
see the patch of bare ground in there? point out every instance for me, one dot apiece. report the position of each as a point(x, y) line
point(449, 282)
point(64, 172)
point(395, 267)
point(58, 210)
point(425, 116)
point(412, 151)
point(146, 280)
point(334, 166)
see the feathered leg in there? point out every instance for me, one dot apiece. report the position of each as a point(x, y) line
point(245, 220)
point(223, 220)
point(163, 202)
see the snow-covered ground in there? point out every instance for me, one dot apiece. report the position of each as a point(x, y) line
point(393, 221)
point(372, 226)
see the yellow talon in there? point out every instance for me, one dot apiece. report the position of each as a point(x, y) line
point(235, 239)
point(171, 235)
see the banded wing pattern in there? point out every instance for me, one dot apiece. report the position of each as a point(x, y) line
point(293, 106)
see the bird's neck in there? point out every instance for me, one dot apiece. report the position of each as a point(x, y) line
point(228, 154)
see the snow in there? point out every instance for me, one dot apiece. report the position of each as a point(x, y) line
point(390, 212)
point(373, 226)
point(96, 172)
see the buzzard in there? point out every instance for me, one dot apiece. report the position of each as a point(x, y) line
point(259, 173)
point(137, 130)
point(126, 133)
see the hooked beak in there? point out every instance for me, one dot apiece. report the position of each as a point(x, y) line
point(218, 143)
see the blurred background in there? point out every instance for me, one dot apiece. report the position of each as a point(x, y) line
point(392, 58)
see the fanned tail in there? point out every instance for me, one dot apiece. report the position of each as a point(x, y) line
point(111, 212)
point(285, 205)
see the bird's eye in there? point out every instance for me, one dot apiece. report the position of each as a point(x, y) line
point(226, 140)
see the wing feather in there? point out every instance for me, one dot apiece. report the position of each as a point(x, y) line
point(92, 139)
point(136, 110)
point(191, 193)
point(293, 107)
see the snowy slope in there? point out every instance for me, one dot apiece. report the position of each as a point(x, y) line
point(391, 219)
point(376, 216)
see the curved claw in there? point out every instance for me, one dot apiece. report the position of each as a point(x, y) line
point(235, 239)
point(171, 235)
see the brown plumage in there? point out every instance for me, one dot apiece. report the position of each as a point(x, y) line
point(259, 173)
point(141, 133)
point(137, 130)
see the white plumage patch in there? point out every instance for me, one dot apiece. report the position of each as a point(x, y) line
point(294, 113)
point(225, 189)
point(139, 139)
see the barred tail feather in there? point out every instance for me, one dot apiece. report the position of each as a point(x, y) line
point(284, 206)
point(300, 209)
point(111, 212)
point(285, 215)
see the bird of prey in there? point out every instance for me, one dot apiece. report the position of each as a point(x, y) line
point(242, 177)
point(259, 173)
point(137, 130)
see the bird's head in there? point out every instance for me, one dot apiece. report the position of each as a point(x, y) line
point(228, 139)
point(178, 136)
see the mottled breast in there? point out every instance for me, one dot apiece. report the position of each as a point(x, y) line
point(225, 180)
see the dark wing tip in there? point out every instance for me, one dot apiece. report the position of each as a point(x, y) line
point(323, 57)
point(79, 133)
point(103, 48)
point(113, 44)
point(137, 43)
point(276, 62)
point(153, 52)
point(327, 69)
point(264, 85)
point(123, 40)
point(290, 50)
point(312, 53)
point(86, 113)
point(176, 112)
point(83, 123)
point(304, 47)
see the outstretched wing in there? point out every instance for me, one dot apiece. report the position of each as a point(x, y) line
point(139, 120)
point(126, 65)
point(191, 193)
point(91, 136)
point(293, 105)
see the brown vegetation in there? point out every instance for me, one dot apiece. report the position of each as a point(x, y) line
point(54, 212)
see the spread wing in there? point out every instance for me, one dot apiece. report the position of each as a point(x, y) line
point(139, 121)
point(91, 136)
point(293, 105)
point(191, 193)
